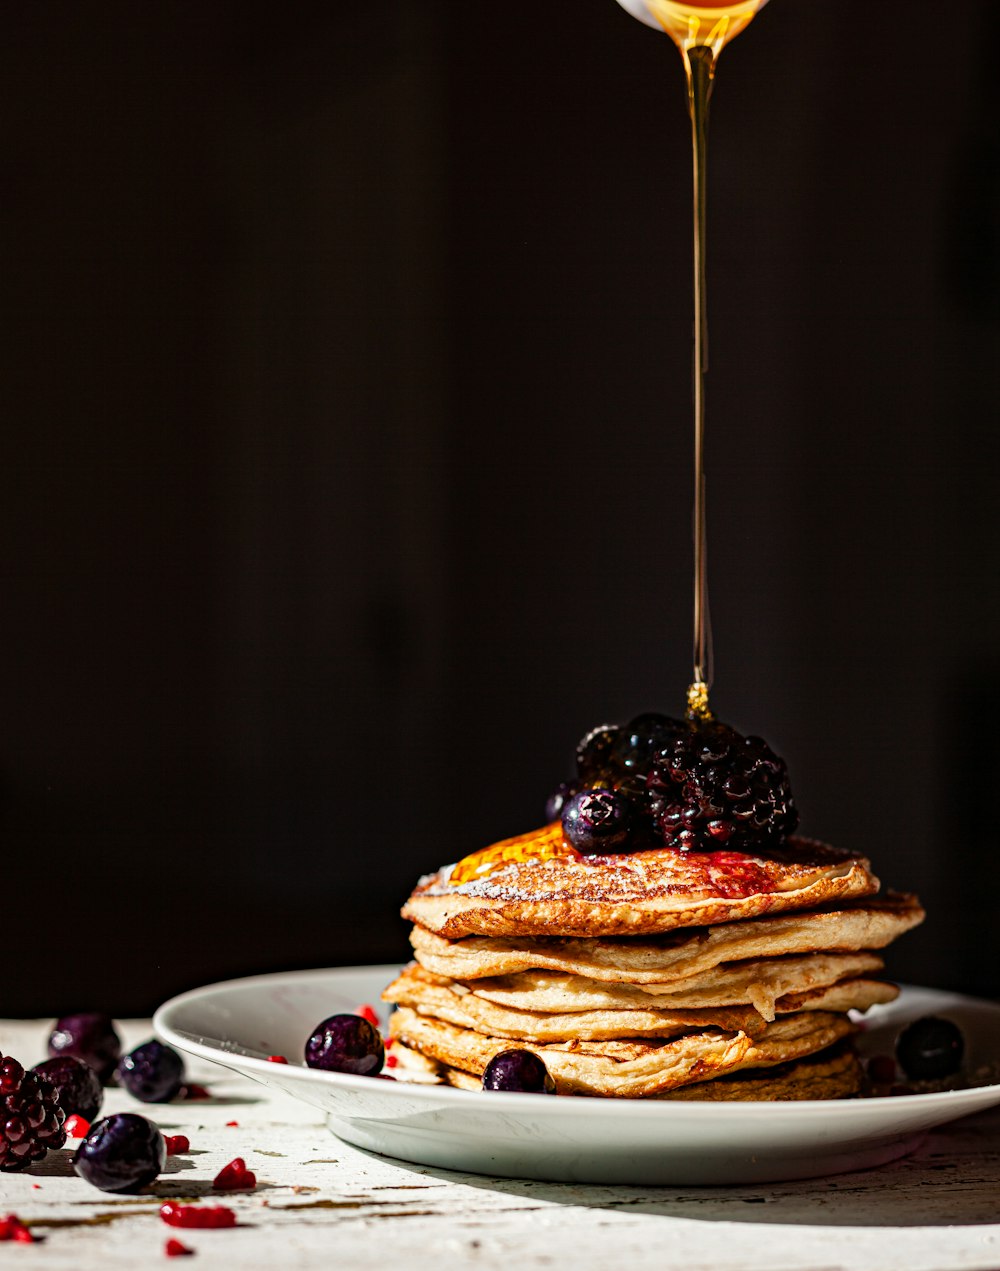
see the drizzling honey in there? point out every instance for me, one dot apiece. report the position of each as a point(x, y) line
point(701, 31)
point(546, 844)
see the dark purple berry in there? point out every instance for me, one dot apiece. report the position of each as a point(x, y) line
point(595, 754)
point(91, 1037)
point(930, 1048)
point(31, 1118)
point(122, 1153)
point(711, 788)
point(559, 798)
point(152, 1073)
point(78, 1088)
point(518, 1070)
point(597, 821)
point(642, 738)
point(346, 1043)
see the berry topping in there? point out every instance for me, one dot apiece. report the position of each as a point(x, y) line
point(235, 1177)
point(12, 1228)
point(640, 741)
point(518, 1070)
point(597, 821)
point(197, 1215)
point(76, 1127)
point(91, 1037)
point(557, 800)
point(930, 1048)
point(31, 1118)
point(174, 1249)
point(345, 1043)
point(710, 788)
point(176, 1144)
point(594, 754)
point(77, 1086)
point(122, 1153)
point(152, 1073)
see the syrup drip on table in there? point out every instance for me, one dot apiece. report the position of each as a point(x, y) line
point(701, 31)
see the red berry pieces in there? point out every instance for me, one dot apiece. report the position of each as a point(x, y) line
point(193, 1091)
point(12, 1228)
point(232, 1123)
point(392, 1061)
point(76, 1127)
point(31, 1119)
point(197, 1215)
point(235, 1177)
point(369, 1013)
point(177, 1143)
point(277, 1059)
point(174, 1249)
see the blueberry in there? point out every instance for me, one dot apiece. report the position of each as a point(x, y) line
point(78, 1088)
point(88, 1036)
point(518, 1070)
point(930, 1048)
point(153, 1073)
point(597, 821)
point(122, 1153)
point(345, 1043)
point(559, 798)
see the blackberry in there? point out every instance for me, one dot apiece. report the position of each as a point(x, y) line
point(31, 1120)
point(711, 788)
point(78, 1087)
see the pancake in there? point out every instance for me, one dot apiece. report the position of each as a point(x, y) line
point(536, 885)
point(868, 924)
point(834, 1074)
point(445, 1000)
point(758, 983)
point(634, 1068)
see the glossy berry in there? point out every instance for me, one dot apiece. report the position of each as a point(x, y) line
point(174, 1249)
point(76, 1127)
point(207, 1216)
point(77, 1086)
point(930, 1048)
point(152, 1073)
point(345, 1043)
point(91, 1037)
point(598, 821)
point(235, 1177)
point(711, 788)
point(518, 1070)
point(31, 1119)
point(12, 1228)
point(557, 800)
point(641, 739)
point(176, 1144)
point(594, 754)
point(122, 1153)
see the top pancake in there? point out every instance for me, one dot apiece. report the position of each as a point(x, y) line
point(536, 885)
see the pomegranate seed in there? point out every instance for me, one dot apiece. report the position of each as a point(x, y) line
point(177, 1143)
point(277, 1059)
point(76, 1127)
point(12, 1228)
point(232, 1123)
point(392, 1061)
point(368, 1012)
point(235, 1177)
point(197, 1215)
point(174, 1249)
point(193, 1091)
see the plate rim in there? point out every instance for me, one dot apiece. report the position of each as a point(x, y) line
point(568, 1105)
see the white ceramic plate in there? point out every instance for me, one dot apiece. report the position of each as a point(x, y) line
point(566, 1138)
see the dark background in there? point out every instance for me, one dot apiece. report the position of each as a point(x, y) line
point(345, 469)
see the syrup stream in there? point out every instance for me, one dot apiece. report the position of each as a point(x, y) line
point(701, 31)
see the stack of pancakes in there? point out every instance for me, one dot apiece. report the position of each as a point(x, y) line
point(658, 974)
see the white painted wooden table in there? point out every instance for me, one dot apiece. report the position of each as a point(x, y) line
point(320, 1203)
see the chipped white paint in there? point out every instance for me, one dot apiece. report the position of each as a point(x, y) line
point(320, 1203)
